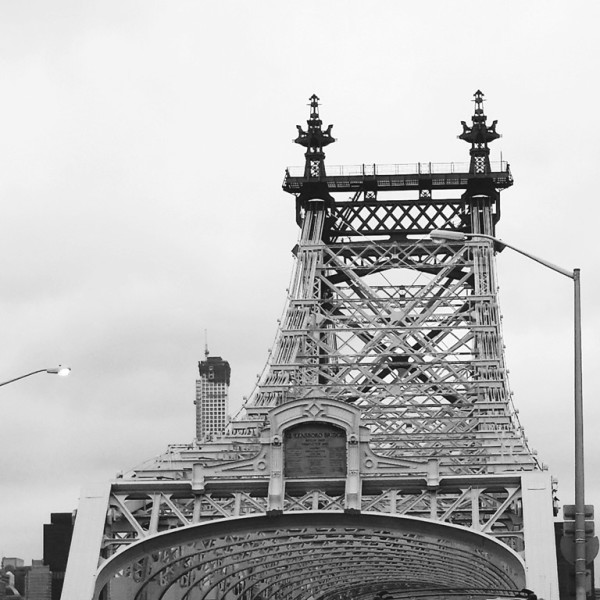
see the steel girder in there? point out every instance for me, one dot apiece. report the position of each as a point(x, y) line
point(138, 510)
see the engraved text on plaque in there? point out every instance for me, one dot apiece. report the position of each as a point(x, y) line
point(315, 450)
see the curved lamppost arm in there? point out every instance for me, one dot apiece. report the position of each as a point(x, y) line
point(54, 371)
point(501, 244)
point(580, 540)
point(22, 376)
point(442, 234)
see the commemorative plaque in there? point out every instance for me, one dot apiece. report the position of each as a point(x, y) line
point(314, 450)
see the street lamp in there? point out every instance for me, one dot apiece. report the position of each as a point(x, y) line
point(60, 370)
point(575, 275)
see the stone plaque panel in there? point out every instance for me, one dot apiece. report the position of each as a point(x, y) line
point(314, 450)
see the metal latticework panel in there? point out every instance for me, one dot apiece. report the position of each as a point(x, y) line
point(408, 330)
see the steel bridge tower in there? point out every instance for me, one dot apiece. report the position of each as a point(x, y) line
point(380, 454)
point(382, 317)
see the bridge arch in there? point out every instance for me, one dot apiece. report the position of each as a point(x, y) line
point(312, 555)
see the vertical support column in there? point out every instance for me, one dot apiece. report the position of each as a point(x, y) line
point(155, 514)
point(475, 517)
point(433, 505)
point(353, 484)
point(580, 537)
point(433, 481)
point(538, 530)
point(86, 544)
point(197, 511)
point(276, 490)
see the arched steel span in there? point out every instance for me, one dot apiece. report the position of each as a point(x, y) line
point(320, 555)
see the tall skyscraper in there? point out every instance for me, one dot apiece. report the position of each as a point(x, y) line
point(212, 397)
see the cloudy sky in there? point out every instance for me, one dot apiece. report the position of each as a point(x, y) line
point(142, 150)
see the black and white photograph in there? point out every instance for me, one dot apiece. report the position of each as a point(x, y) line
point(299, 300)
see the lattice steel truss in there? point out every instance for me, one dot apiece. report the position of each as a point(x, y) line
point(381, 316)
point(139, 510)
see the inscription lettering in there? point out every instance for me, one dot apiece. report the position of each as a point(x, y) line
point(314, 450)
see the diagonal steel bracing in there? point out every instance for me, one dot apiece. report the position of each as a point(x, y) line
point(407, 329)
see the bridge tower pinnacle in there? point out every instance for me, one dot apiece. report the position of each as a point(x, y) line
point(314, 139)
point(479, 135)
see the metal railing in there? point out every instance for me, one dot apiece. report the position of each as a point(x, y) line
point(370, 170)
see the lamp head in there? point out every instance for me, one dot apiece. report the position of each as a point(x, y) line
point(60, 370)
point(444, 234)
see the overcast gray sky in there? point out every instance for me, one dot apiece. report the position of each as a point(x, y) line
point(142, 150)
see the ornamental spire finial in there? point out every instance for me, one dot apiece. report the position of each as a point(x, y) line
point(479, 135)
point(314, 139)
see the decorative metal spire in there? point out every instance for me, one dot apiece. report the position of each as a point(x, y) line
point(314, 140)
point(479, 135)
